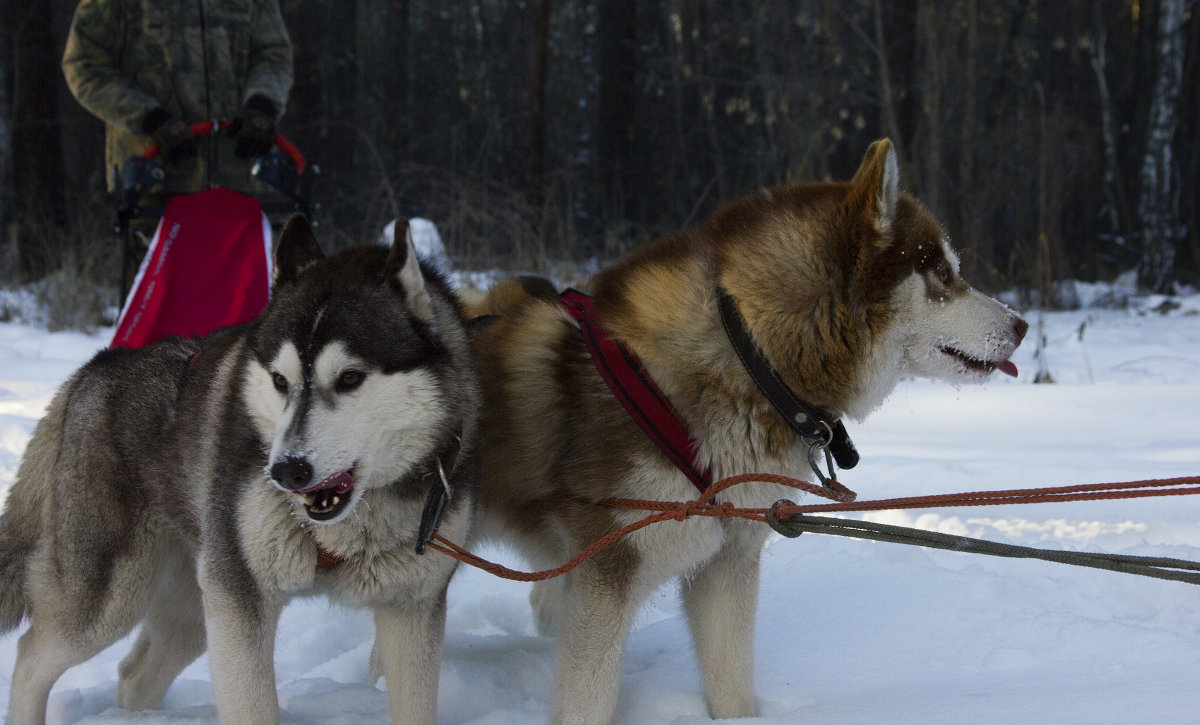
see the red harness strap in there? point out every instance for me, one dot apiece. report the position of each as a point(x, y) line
point(632, 385)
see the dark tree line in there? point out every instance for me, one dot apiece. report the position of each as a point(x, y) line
point(1053, 138)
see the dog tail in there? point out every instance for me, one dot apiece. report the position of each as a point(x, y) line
point(510, 295)
point(21, 522)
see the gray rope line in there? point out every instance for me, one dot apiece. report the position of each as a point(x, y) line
point(1152, 566)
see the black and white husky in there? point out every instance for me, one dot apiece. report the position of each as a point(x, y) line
point(196, 486)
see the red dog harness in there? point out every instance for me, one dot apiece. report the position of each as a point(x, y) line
point(632, 385)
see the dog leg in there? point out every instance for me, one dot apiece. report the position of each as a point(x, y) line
point(79, 607)
point(172, 637)
point(546, 598)
point(720, 599)
point(43, 655)
point(241, 649)
point(594, 622)
point(408, 647)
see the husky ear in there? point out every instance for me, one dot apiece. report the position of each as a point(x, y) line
point(403, 268)
point(875, 189)
point(296, 250)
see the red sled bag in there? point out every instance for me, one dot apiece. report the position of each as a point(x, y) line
point(208, 266)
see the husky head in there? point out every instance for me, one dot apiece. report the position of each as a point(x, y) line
point(849, 287)
point(351, 364)
point(950, 331)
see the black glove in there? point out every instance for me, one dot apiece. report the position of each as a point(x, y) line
point(174, 138)
point(254, 128)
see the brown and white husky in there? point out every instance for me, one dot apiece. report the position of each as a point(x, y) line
point(844, 288)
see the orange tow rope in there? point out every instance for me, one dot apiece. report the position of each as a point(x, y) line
point(844, 500)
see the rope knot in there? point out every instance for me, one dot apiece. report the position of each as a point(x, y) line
point(686, 510)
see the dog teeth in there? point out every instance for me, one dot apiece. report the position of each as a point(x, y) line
point(321, 502)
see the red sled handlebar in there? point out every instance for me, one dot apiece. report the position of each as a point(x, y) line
point(203, 128)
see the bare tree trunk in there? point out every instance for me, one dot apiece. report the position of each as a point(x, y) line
point(707, 64)
point(8, 230)
point(36, 136)
point(1108, 131)
point(371, 42)
point(1043, 254)
point(617, 68)
point(1158, 204)
point(979, 258)
point(682, 108)
point(886, 96)
point(6, 110)
point(905, 65)
point(931, 87)
point(767, 82)
point(536, 98)
point(1189, 262)
point(1043, 263)
point(398, 107)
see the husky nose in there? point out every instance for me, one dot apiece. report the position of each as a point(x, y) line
point(292, 473)
point(1020, 328)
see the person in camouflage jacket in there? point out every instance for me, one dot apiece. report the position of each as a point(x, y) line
point(148, 68)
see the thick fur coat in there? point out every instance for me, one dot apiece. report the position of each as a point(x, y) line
point(196, 486)
point(845, 288)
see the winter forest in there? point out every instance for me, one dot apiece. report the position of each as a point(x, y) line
point(1057, 140)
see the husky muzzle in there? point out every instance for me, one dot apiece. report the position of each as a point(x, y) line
point(324, 500)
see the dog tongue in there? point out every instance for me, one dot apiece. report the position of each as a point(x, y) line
point(1007, 368)
point(340, 482)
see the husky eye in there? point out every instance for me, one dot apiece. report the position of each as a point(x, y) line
point(349, 380)
point(944, 274)
point(280, 382)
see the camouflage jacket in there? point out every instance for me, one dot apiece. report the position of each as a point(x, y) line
point(198, 59)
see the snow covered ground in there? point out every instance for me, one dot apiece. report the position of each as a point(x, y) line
point(848, 631)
